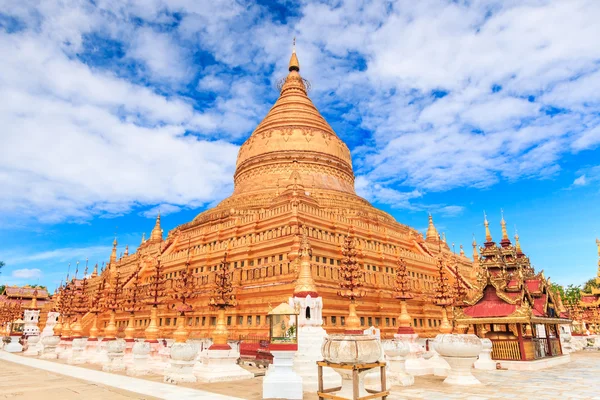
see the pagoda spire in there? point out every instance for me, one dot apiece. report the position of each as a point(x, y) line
point(294, 64)
point(462, 251)
point(518, 244)
point(305, 285)
point(432, 233)
point(113, 255)
point(143, 238)
point(475, 253)
point(505, 240)
point(488, 235)
point(156, 234)
point(126, 251)
point(95, 271)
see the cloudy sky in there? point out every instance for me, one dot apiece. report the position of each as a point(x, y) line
point(111, 110)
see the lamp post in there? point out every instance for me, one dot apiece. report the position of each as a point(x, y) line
point(443, 295)
point(222, 299)
point(403, 292)
point(182, 289)
point(155, 292)
point(351, 282)
point(112, 298)
point(131, 304)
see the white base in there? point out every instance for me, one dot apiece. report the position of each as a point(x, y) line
point(115, 363)
point(140, 367)
point(535, 365)
point(33, 348)
point(485, 363)
point(220, 366)
point(310, 339)
point(180, 371)
point(282, 382)
point(439, 365)
point(460, 371)
point(14, 346)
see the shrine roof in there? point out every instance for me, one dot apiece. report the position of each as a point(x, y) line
point(539, 305)
point(25, 292)
point(490, 305)
point(588, 299)
point(534, 286)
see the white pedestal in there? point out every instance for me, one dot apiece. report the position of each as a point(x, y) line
point(51, 320)
point(219, 366)
point(460, 371)
point(310, 339)
point(439, 365)
point(64, 349)
point(181, 367)
point(141, 360)
point(460, 351)
point(159, 358)
point(115, 352)
point(78, 354)
point(485, 361)
point(32, 346)
point(14, 346)
point(415, 362)
point(282, 382)
point(49, 351)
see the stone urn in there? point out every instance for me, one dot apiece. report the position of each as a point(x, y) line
point(141, 365)
point(115, 350)
point(32, 346)
point(485, 357)
point(351, 349)
point(460, 351)
point(50, 343)
point(181, 367)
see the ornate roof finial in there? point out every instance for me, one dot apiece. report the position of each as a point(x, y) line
point(598, 245)
point(432, 233)
point(462, 251)
point(95, 271)
point(113, 255)
point(143, 238)
point(505, 240)
point(294, 64)
point(126, 251)
point(475, 253)
point(156, 234)
point(444, 237)
point(517, 243)
point(488, 235)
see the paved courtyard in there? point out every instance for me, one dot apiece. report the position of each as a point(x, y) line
point(576, 380)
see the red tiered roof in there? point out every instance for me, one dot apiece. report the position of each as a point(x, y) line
point(490, 305)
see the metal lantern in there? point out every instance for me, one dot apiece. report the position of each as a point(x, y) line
point(16, 328)
point(283, 328)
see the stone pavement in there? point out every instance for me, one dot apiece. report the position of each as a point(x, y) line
point(575, 380)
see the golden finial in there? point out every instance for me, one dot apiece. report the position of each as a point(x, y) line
point(444, 237)
point(143, 237)
point(95, 271)
point(126, 250)
point(488, 235)
point(113, 255)
point(475, 254)
point(598, 245)
point(503, 224)
point(462, 251)
point(157, 233)
point(294, 64)
point(432, 233)
point(517, 243)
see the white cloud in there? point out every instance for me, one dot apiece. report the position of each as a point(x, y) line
point(27, 273)
point(164, 209)
point(581, 181)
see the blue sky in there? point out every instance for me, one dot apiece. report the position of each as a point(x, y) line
point(111, 110)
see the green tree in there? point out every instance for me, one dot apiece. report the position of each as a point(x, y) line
point(589, 285)
point(2, 287)
point(572, 294)
point(1, 265)
point(559, 290)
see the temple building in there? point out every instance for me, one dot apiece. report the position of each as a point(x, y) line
point(512, 305)
point(24, 295)
point(293, 173)
point(588, 312)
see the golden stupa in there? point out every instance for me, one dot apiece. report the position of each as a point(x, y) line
point(293, 176)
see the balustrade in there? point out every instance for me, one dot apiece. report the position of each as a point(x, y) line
point(506, 350)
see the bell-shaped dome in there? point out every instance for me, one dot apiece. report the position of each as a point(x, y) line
point(293, 133)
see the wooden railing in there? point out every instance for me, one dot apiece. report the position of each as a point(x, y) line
point(505, 350)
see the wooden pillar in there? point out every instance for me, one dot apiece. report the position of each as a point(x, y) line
point(548, 340)
point(558, 338)
point(521, 342)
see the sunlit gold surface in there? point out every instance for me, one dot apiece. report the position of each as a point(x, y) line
point(293, 171)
